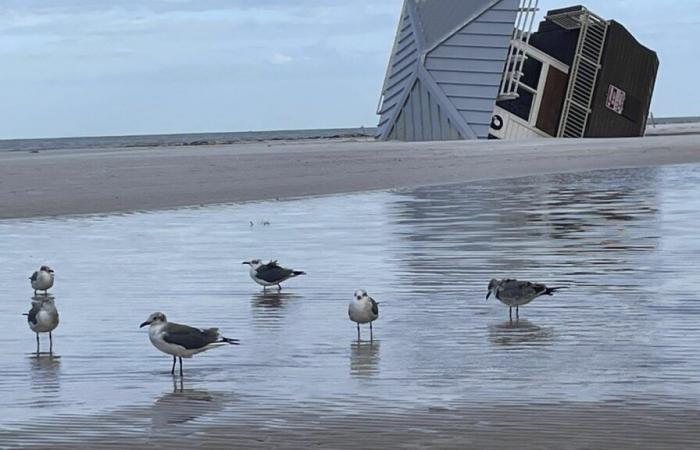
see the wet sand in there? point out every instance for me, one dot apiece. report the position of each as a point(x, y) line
point(611, 362)
point(614, 425)
point(60, 182)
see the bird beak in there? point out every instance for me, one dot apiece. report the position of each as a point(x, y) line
point(488, 294)
point(144, 324)
point(246, 262)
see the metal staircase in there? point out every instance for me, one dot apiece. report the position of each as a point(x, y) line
point(584, 69)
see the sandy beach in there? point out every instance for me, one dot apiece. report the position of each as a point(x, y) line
point(59, 182)
point(446, 368)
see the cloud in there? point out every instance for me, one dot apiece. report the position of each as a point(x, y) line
point(280, 58)
point(75, 67)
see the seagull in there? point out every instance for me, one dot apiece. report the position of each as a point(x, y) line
point(270, 274)
point(43, 318)
point(182, 341)
point(42, 279)
point(512, 292)
point(363, 309)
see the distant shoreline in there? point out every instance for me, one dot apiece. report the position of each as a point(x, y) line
point(659, 125)
point(68, 182)
point(181, 139)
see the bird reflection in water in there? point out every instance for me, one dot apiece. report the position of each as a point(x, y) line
point(519, 332)
point(364, 358)
point(184, 405)
point(272, 299)
point(269, 307)
point(45, 374)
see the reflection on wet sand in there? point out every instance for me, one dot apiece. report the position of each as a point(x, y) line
point(625, 242)
point(492, 228)
point(45, 374)
point(364, 358)
point(271, 299)
point(269, 308)
point(519, 332)
point(184, 405)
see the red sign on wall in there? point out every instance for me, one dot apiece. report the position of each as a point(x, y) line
point(616, 99)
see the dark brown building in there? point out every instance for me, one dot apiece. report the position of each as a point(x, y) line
point(578, 75)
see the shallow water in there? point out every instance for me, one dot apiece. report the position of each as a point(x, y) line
point(623, 241)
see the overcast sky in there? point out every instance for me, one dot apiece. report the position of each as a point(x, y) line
point(96, 67)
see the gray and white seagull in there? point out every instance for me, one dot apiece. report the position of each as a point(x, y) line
point(43, 318)
point(363, 309)
point(42, 279)
point(271, 273)
point(182, 341)
point(512, 292)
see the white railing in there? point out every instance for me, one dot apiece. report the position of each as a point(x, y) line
point(516, 52)
point(584, 69)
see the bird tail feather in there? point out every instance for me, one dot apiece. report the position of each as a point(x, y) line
point(230, 341)
point(552, 290)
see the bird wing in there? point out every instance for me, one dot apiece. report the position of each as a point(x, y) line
point(189, 337)
point(270, 265)
point(31, 316)
point(34, 276)
point(375, 307)
point(520, 290)
point(271, 272)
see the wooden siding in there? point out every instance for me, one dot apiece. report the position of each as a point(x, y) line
point(632, 67)
point(401, 70)
point(437, 18)
point(445, 69)
point(422, 118)
point(468, 66)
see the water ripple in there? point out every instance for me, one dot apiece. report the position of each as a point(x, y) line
point(623, 241)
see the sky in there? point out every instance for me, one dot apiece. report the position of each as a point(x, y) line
point(97, 67)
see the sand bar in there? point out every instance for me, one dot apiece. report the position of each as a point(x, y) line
point(59, 182)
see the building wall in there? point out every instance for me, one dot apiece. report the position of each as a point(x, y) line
point(446, 72)
point(469, 65)
point(423, 119)
point(401, 69)
point(627, 65)
point(510, 126)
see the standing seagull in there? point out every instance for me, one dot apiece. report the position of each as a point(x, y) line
point(363, 309)
point(512, 292)
point(270, 274)
point(43, 318)
point(182, 341)
point(42, 279)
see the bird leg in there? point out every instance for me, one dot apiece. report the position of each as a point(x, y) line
point(510, 313)
point(34, 291)
point(279, 288)
point(37, 343)
point(172, 371)
point(517, 312)
point(264, 288)
point(358, 332)
point(370, 331)
point(180, 358)
point(50, 343)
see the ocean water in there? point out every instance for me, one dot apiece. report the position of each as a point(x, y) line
point(624, 242)
point(169, 140)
